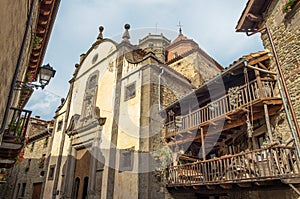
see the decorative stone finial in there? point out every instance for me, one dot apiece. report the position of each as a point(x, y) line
point(126, 35)
point(100, 35)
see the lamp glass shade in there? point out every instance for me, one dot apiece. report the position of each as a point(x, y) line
point(45, 74)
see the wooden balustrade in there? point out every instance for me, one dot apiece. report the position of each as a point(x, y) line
point(245, 95)
point(267, 163)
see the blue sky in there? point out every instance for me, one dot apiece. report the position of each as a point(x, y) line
point(210, 23)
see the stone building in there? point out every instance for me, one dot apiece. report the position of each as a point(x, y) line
point(27, 178)
point(25, 31)
point(279, 24)
point(283, 24)
point(109, 125)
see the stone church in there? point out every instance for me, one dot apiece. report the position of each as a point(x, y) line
point(109, 126)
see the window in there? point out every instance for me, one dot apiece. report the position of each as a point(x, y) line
point(28, 165)
point(23, 189)
point(126, 160)
point(51, 172)
point(59, 125)
point(94, 58)
point(85, 188)
point(261, 140)
point(76, 188)
point(130, 91)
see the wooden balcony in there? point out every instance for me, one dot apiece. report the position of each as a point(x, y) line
point(229, 108)
point(14, 137)
point(257, 166)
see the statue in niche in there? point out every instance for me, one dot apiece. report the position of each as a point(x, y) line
point(89, 100)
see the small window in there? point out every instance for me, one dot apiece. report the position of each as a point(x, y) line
point(261, 140)
point(126, 160)
point(23, 189)
point(76, 188)
point(59, 125)
point(94, 58)
point(130, 91)
point(51, 172)
point(28, 165)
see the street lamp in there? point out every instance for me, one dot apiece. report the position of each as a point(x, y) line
point(45, 73)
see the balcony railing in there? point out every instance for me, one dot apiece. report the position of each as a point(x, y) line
point(241, 97)
point(17, 126)
point(258, 165)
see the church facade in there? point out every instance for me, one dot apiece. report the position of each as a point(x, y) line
point(109, 128)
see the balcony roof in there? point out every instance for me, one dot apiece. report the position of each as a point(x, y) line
point(252, 15)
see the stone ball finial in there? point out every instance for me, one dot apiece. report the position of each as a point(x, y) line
point(100, 35)
point(127, 26)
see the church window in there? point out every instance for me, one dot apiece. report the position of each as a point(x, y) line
point(130, 91)
point(94, 58)
point(59, 125)
point(126, 160)
point(51, 172)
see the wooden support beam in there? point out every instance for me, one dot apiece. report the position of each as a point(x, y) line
point(203, 144)
point(227, 117)
point(259, 84)
point(262, 66)
point(226, 186)
point(267, 119)
point(211, 187)
point(255, 61)
point(245, 184)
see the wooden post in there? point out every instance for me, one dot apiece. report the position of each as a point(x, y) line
point(202, 144)
point(259, 84)
point(268, 122)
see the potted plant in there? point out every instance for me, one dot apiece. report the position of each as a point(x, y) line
point(288, 5)
point(3, 174)
point(37, 42)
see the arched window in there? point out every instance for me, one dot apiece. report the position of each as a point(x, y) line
point(76, 188)
point(85, 187)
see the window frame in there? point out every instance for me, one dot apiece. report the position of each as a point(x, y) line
point(128, 94)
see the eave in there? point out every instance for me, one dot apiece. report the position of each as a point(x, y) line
point(252, 15)
point(44, 24)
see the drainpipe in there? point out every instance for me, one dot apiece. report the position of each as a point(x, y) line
point(288, 116)
point(159, 83)
point(286, 92)
point(12, 85)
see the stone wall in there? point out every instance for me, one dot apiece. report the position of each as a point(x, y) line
point(33, 168)
point(285, 32)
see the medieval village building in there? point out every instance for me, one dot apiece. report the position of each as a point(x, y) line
point(27, 178)
point(109, 123)
point(162, 119)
